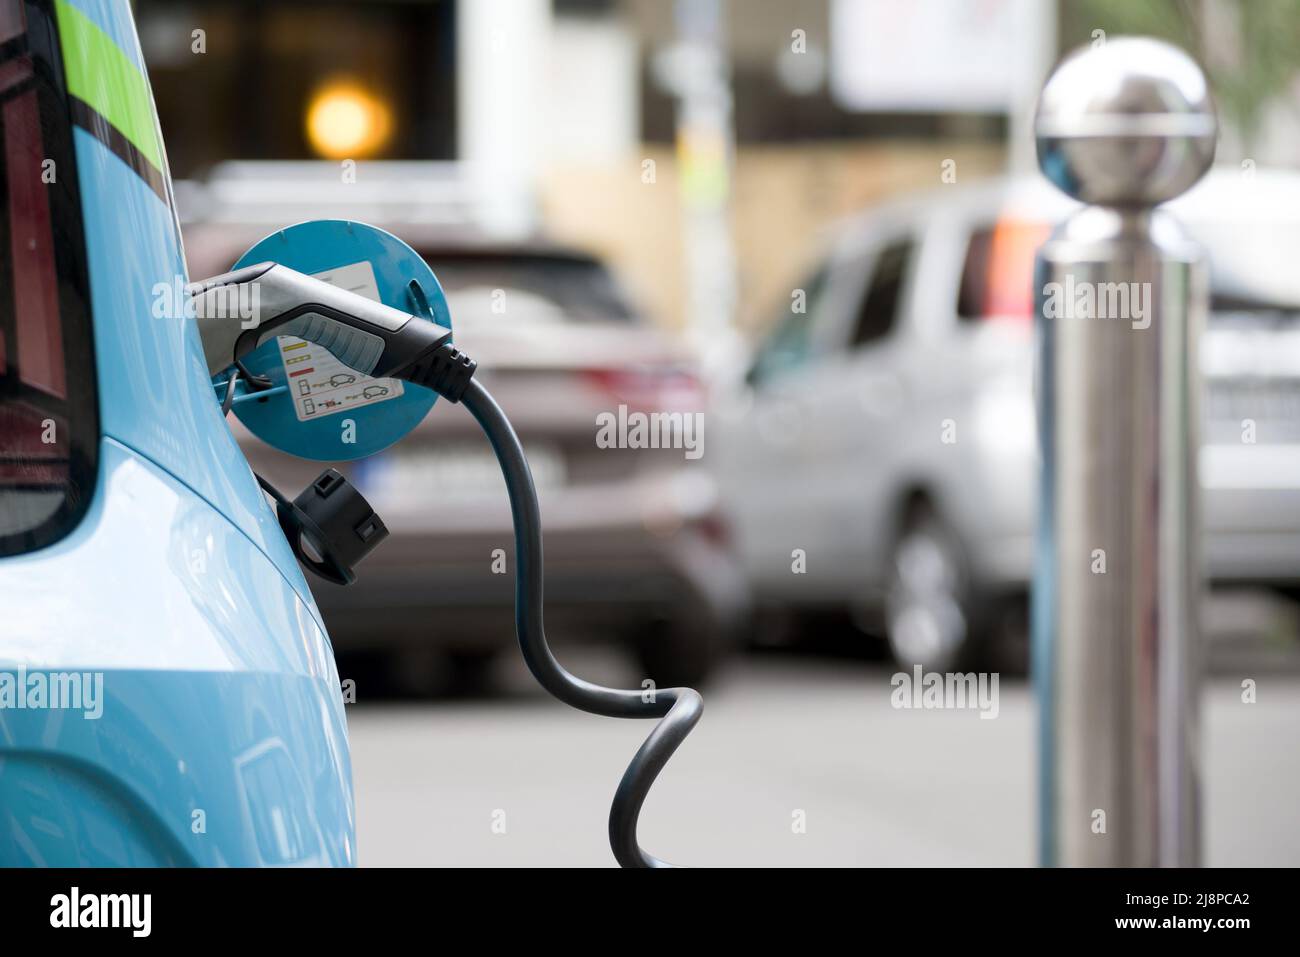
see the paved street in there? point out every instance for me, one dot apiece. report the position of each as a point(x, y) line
point(780, 734)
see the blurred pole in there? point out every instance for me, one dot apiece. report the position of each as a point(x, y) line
point(1032, 70)
point(1122, 126)
point(700, 76)
point(501, 82)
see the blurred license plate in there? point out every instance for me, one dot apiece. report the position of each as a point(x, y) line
point(403, 478)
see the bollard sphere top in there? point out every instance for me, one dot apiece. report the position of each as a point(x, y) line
point(1128, 122)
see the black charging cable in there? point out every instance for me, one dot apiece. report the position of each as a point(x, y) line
point(450, 372)
point(680, 708)
point(229, 400)
point(256, 383)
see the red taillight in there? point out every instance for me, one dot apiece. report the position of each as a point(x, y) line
point(650, 389)
point(39, 349)
point(33, 447)
point(49, 421)
point(33, 435)
point(1009, 287)
point(715, 530)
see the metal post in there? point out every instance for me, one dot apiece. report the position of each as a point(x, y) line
point(1122, 126)
point(705, 152)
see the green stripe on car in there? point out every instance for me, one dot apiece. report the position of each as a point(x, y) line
point(100, 74)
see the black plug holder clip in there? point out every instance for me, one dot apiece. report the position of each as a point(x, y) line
point(333, 520)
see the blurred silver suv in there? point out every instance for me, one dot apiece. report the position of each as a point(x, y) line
point(881, 454)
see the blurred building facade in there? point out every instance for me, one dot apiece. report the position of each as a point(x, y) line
point(627, 127)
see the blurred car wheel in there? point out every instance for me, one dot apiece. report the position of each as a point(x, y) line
point(928, 607)
point(677, 652)
point(470, 671)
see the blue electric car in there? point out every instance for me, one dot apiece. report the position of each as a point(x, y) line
point(168, 694)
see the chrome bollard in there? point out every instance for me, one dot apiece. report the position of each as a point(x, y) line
point(1122, 293)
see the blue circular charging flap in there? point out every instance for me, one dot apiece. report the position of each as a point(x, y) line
point(318, 408)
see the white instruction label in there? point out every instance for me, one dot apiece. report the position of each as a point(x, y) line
point(319, 383)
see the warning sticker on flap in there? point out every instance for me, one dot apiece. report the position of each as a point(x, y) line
point(321, 385)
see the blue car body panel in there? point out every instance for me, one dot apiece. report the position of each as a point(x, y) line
point(219, 694)
point(155, 393)
point(221, 737)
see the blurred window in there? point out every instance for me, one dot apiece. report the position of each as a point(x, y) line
point(789, 345)
point(884, 293)
point(1232, 307)
point(529, 287)
point(997, 280)
point(49, 428)
point(268, 71)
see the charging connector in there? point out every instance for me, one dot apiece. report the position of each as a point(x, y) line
point(443, 368)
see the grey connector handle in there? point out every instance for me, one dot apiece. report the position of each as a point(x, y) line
point(240, 310)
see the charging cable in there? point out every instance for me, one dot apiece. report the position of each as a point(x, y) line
point(679, 708)
point(450, 373)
